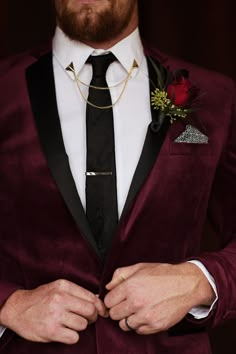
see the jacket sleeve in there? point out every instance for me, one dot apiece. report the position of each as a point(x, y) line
point(222, 216)
point(220, 264)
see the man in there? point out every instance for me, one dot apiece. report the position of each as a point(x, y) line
point(62, 289)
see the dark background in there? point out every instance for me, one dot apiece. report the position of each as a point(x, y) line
point(202, 32)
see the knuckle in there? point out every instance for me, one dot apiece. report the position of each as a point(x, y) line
point(51, 331)
point(96, 299)
point(73, 338)
point(137, 303)
point(148, 317)
point(91, 297)
point(55, 298)
point(140, 266)
point(91, 310)
point(55, 307)
point(140, 331)
point(93, 314)
point(61, 284)
point(107, 301)
point(112, 314)
point(118, 272)
point(121, 325)
point(83, 324)
point(99, 305)
point(163, 325)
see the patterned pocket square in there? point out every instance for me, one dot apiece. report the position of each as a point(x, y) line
point(192, 135)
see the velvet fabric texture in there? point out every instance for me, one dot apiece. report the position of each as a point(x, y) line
point(43, 234)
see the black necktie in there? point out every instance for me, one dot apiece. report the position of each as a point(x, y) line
point(101, 197)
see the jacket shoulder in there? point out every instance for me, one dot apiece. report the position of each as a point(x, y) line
point(202, 76)
point(17, 63)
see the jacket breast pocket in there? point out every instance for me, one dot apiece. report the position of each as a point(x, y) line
point(190, 149)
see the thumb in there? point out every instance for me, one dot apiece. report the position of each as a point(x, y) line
point(121, 274)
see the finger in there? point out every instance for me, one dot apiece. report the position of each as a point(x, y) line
point(145, 330)
point(133, 323)
point(88, 296)
point(115, 296)
point(82, 308)
point(142, 323)
point(120, 311)
point(65, 286)
point(81, 293)
point(101, 308)
point(121, 274)
point(75, 322)
point(118, 278)
point(66, 336)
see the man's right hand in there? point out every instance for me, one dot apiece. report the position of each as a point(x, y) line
point(52, 312)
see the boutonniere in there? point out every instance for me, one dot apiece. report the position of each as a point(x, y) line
point(174, 95)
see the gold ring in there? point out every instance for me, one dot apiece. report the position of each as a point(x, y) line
point(121, 277)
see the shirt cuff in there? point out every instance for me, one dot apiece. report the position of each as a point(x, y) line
point(200, 312)
point(2, 330)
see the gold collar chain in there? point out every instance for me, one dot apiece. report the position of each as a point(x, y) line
point(79, 82)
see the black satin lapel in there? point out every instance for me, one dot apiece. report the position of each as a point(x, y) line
point(151, 148)
point(42, 95)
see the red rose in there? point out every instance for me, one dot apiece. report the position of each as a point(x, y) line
point(179, 91)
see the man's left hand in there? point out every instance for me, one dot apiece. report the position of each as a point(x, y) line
point(156, 296)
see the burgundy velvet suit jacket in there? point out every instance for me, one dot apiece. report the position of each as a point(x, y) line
point(44, 234)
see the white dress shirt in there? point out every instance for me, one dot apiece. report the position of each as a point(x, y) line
point(132, 114)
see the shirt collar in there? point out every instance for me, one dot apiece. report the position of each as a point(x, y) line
point(126, 51)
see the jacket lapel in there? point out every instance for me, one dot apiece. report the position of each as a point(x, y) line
point(42, 95)
point(40, 81)
point(155, 137)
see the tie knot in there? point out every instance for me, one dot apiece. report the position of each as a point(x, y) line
point(100, 64)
